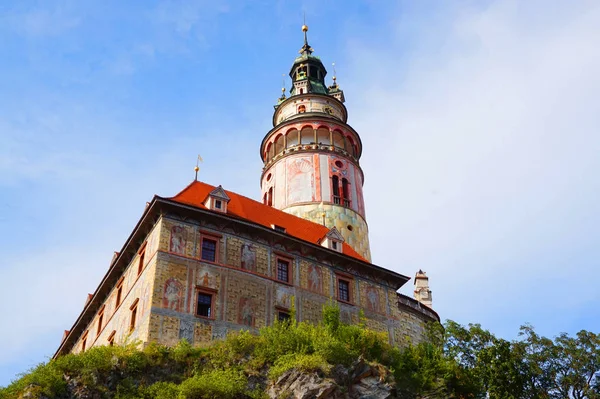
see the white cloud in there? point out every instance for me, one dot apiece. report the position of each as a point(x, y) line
point(481, 157)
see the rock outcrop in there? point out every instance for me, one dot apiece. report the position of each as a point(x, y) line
point(361, 380)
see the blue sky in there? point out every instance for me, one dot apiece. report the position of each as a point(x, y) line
point(479, 122)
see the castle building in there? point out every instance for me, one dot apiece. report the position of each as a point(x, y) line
point(208, 261)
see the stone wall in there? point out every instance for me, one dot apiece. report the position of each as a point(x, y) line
point(246, 294)
point(135, 288)
point(244, 290)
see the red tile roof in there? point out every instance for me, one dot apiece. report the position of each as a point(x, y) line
point(248, 209)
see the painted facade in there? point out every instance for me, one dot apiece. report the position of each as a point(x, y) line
point(243, 285)
point(207, 262)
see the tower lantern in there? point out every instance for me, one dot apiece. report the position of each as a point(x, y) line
point(311, 156)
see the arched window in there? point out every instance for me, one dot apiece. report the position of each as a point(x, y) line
point(307, 135)
point(323, 135)
point(292, 138)
point(270, 197)
point(350, 146)
point(269, 152)
point(345, 192)
point(265, 199)
point(302, 108)
point(279, 144)
point(338, 140)
point(335, 185)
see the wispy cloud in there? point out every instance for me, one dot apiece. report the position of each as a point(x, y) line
point(480, 159)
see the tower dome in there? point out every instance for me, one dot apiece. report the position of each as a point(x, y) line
point(311, 155)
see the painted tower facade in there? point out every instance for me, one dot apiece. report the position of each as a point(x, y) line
point(311, 156)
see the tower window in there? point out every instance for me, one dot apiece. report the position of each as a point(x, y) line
point(283, 270)
point(270, 197)
point(345, 192)
point(301, 108)
point(204, 304)
point(209, 250)
point(111, 338)
point(335, 185)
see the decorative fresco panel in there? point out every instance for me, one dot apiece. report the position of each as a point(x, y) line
point(315, 279)
point(373, 298)
point(177, 241)
point(246, 312)
point(300, 180)
point(173, 295)
point(248, 257)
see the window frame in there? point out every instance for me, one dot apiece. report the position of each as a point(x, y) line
point(290, 269)
point(84, 341)
point(100, 319)
point(119, 292)
point(141, 258)
point(205, 291)
point(209, 237)
point(111, 338)
point(349, 280)
point(133, 314)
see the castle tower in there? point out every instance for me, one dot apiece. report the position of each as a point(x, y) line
point(311, 156)
point(422, 292)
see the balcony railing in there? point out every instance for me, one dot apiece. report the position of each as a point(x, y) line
point(336, 199)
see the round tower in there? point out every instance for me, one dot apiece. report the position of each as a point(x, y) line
point(311, 156)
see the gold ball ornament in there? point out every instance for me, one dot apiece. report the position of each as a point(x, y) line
point(196, 168)
point(304, 28)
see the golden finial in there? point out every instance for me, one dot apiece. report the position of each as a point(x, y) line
point(334, 73)
point(197, 167)
point(304, 28)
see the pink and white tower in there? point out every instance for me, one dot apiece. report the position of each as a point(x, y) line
point(311, 156)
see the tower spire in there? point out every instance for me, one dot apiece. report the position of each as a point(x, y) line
point(306, 49)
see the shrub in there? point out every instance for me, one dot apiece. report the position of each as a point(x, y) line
point(215, 384)
point(298, 361)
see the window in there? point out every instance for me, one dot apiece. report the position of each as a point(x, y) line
point(111, 338)
point(335, 185)
point(204, 305)
point(344, 290)
point(283, 270)
point(278, 228)
point(84, 341)
point(301, 108)
point(334, 245)
point(218, 204)
point(142, 254)
point(100, 318)
point(209, 250)
point(283, 316)
point(270, 197)
point(119, 293)
point(133, 315)
point(345, 192)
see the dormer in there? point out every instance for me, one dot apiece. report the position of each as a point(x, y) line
point(217, 200)
point(333, 240)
